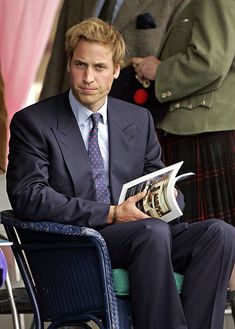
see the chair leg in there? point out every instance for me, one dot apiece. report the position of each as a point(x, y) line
point(15, 319)
point(232, 296)
point(32, 326)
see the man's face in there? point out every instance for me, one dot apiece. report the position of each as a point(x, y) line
point(92, 72)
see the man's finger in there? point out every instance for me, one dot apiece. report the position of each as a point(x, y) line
point(138, 196)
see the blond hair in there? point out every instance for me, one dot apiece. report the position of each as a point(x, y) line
point(96, 30)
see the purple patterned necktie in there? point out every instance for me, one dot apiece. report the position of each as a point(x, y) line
point(96, 160)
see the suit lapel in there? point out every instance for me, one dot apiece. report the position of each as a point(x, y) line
point(122, 135)
point(129, 10)
point(177, 16)
point(71, 144)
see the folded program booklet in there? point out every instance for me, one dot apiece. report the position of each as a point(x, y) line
point(160, 201)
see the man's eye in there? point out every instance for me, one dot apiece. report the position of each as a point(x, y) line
point(99, 67)
point(79, 64)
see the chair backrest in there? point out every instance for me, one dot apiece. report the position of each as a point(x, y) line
point(66, 271)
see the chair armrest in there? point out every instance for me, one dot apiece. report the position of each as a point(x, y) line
point(7, 218)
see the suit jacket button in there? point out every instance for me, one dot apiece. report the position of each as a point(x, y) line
point(190, 106)
point(177, 105)
point(168, 93)
point(163, 95)
point(203, 103)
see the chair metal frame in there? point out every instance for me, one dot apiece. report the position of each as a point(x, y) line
point(114, 311)
point(16, 324)
point(9, 289)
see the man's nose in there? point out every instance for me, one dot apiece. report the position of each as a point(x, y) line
point(88, 75)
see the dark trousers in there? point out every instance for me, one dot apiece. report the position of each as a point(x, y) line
point(151, 250)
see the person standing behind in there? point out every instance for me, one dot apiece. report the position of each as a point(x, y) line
point(142, 24)
point(194, 73)
point(58, 182)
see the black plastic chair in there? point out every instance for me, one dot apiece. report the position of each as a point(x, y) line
point(67, 273)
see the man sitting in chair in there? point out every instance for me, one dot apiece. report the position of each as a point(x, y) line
point(69, 157)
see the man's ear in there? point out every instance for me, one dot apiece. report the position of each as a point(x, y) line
point(116, 71)
point(68, 66)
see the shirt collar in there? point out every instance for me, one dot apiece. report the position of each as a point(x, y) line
point(82, 113)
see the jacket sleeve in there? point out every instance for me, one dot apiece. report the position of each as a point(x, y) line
point(198, 52)
point(29, 183)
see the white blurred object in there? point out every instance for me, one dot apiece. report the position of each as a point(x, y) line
point(4, 202)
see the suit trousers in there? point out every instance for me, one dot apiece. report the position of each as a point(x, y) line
point(151, 250)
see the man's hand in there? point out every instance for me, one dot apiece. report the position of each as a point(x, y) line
point(145, 68)
point(127, 210)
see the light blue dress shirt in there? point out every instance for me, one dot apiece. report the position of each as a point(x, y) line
point(82, 115)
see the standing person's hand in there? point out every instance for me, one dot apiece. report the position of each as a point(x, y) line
point(145, 68)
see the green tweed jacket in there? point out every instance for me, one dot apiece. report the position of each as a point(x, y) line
point(197, 72)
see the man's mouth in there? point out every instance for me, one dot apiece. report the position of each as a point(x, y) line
point(87, 90)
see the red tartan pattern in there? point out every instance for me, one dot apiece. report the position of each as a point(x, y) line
point(211, 156)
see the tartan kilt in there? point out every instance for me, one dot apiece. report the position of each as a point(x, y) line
point(211, 156)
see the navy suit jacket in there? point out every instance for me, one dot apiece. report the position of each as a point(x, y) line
point(49, 175)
